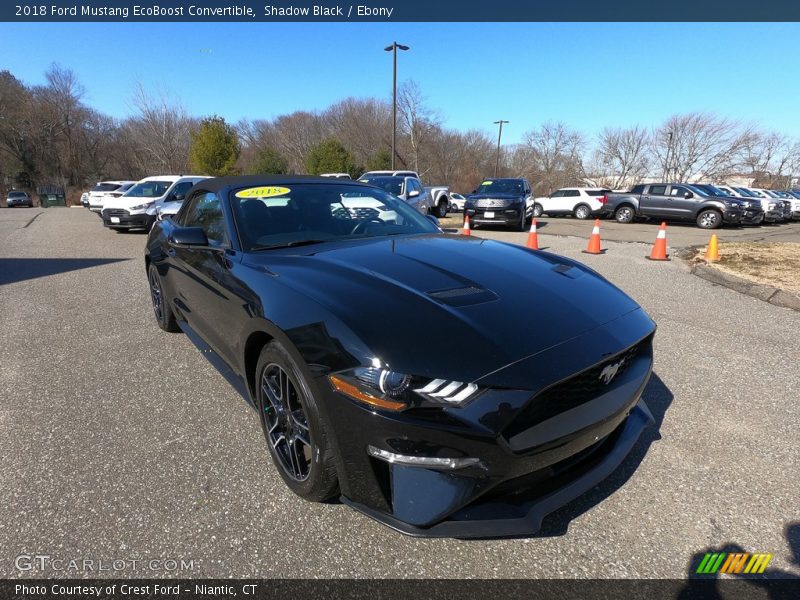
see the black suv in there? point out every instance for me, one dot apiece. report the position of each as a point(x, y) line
point(500, 201)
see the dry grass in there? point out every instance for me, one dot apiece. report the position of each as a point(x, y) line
point(776, 264)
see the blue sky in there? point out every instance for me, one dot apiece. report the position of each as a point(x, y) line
point(589, 75)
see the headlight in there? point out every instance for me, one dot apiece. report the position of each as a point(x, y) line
point(141, 206)
point(390, 390)
point(772, 206)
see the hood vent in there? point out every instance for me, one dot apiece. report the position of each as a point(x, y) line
point(463, 296)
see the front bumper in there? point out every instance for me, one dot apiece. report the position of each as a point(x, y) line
point(522, 511)
point(538, 449)
point(732, 216)
point(752, 216)
point(119, 219)
point(496, 216)
point(773, 216)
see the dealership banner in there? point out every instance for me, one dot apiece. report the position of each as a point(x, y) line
point(399, 10)
point(447, 589)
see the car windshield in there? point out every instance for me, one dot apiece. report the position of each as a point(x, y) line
point(124, 187)
point(17, 194)
point(393, 185)
point(299, 214)
point(149, 189)
point(709, 189)
point(105, 187)
point(747, 192)
point(500, 186)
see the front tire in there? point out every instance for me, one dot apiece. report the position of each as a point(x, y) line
point(709, 219)
point(440, 212)
point(161, 308)
point(537, 210)
point(292, 425)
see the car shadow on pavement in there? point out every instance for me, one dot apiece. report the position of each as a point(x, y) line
point(658, 398)
point(13, 270)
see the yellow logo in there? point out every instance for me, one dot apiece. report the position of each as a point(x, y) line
point(263, 192)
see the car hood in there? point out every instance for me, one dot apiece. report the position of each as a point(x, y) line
point(513, 197)
point(450, 306)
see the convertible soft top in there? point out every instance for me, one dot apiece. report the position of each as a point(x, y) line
point(219, 183)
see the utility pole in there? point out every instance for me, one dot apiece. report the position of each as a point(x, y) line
point(393, 49)
point(499, 135)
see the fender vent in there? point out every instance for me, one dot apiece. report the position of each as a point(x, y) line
point(463, 296)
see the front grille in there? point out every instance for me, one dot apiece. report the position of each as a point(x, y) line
point(573, 392)
point(116, 212)
point(490, 203)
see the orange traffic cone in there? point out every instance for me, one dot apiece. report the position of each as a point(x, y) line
point(660, 247)
point(594, 240)
point(533, 237)
point(712, 252)
point(466, 225)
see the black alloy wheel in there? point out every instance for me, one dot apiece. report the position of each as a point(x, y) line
point(163, 313)
point(296, 438)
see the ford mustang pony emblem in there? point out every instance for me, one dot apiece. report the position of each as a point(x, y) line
point(610, 371)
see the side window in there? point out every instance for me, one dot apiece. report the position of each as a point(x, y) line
point(180, 189)
point(572, 193)
point(557, 194)
point(413, 186)
point(658, 190)
point(637, 189)
point(678, 190)
point(205, 210)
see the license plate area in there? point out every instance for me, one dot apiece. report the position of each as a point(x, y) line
point(489, 214)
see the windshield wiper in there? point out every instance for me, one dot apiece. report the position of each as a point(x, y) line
point(290, 244)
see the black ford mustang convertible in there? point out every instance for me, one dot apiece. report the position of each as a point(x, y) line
point(443, 385)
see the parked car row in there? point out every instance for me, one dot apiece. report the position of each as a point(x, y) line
point(707, 205)
point(129, 205)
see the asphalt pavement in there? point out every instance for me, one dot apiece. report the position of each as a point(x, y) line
point(120, 442)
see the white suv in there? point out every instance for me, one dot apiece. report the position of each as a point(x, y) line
point(130, 211)
point(94, 198)
point(580, 202)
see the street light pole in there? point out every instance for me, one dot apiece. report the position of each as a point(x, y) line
point(393, 49)
point(499, 135)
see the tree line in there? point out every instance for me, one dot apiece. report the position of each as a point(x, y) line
point(50, 135)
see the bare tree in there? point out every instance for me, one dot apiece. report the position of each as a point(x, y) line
point(416, 121)
point(698, 145)
point(623, 155)
point(554, 155)
point(160, 131)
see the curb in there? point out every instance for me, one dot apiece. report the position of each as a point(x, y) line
point(773, 295)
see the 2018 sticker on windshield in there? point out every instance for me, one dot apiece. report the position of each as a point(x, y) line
point(263, 192)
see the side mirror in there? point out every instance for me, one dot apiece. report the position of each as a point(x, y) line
point(413, 193)
point(188, 236)
point(475, 191)
point(688, 195)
